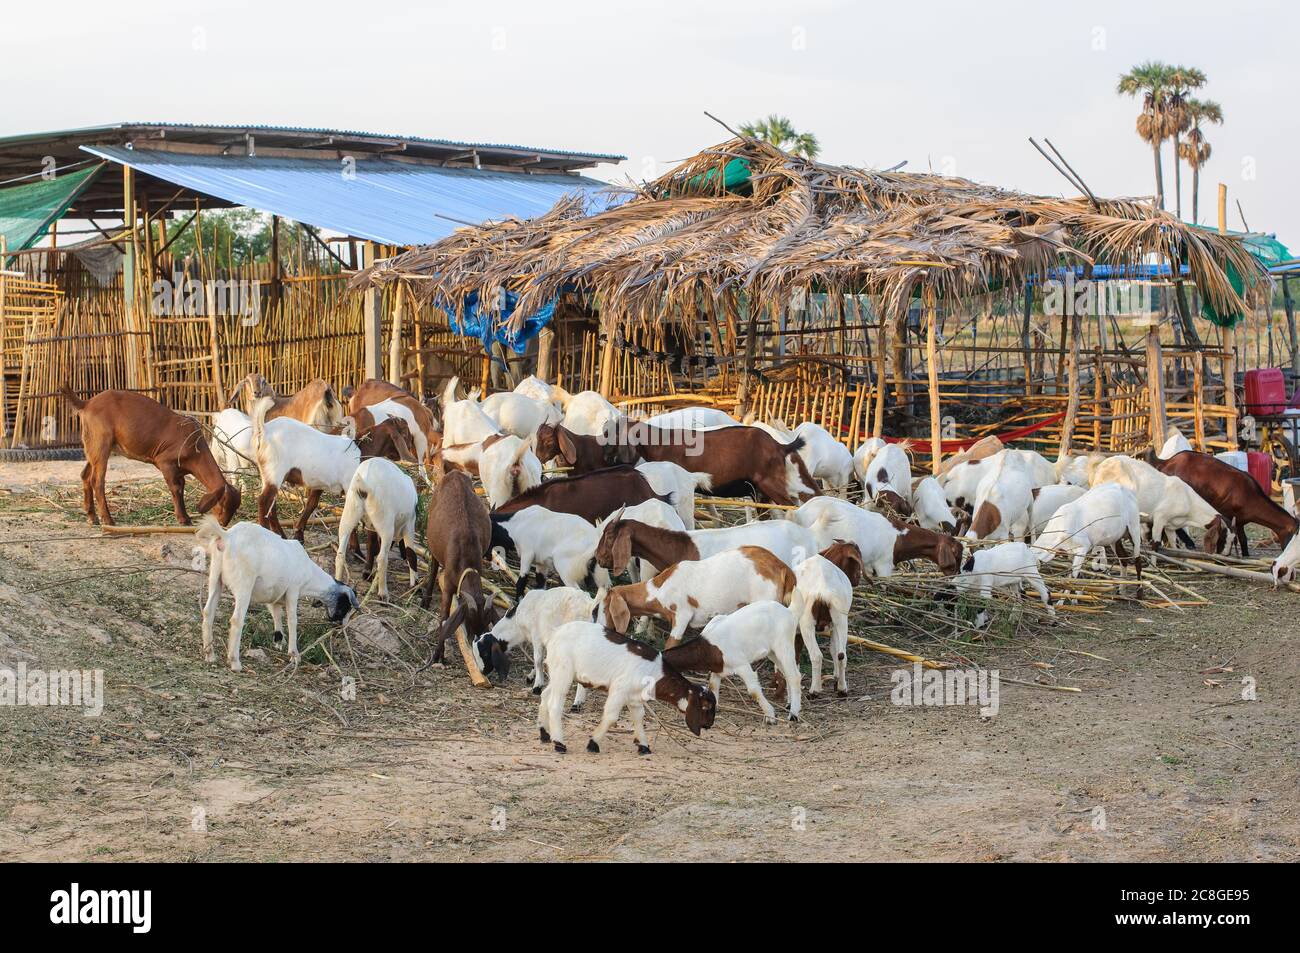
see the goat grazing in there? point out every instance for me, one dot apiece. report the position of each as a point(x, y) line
point(1166, 500)
point(731, 644)
point(687, 595)
point(533, 619)
point(833, 520)
point(258, 566)
point(1232, 493)
point(550, 541)
point(930, 507)
point(385, 498)
point(457, 534)
point(1005, 565)
point(888, 477)
point(1099, 518)
point(630, 671)
point(1002, 503)
point(145, 430)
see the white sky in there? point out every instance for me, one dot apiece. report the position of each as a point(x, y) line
point(953, 86)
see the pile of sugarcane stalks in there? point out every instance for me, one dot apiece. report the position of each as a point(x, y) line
point(1250, 570)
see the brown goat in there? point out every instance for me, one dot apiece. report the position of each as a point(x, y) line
point(375, 391)
point(593, 496)
point(581, 453)
point(144, 429)
point(730, 455)
point(315, 404)
point(457, 534)
point(913, 542)
point(390, 439)
point(848, 558)
point(622, 540)
point(1233, 493)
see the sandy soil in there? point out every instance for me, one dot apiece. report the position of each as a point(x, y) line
point(191, 761)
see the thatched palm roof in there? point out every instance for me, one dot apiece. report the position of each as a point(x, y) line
point(794, 224)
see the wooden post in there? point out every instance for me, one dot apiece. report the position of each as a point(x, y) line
point(1072, 385)
point(605, 375)
point(1024, 338)
point(276, 282)
point(130, 262)
point(4, 290)
point(1230, 391)
point(751, 350)
point(882, 366)
point(545, 342)
point(932, 374)
point(1198, 400)
point(395, 338)
point(1156, 384)
point(372, 320)
point(1223, 209)
point(1098, 360)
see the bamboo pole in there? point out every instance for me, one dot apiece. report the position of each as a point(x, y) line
point(882, 373)
point(372, 323)
point(395, 338)
point(1156, 384)
point(1072, 385)
point(932, 373)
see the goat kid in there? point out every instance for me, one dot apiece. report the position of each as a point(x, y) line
point(258, 566)
point(631, 672)
point(1007, 565)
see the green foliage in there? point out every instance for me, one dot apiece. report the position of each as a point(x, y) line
point(779, 132)
point(239, 236)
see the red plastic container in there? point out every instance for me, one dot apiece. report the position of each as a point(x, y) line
point(1265, 392)
point(1260, 466)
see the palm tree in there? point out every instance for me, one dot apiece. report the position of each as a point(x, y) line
point(1195, 150)
point(779, 132)
point(1151, 81)
point(1182, 80)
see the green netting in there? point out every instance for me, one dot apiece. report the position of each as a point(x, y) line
point(26, 211)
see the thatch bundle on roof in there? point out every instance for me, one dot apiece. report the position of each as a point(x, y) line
point(745, 218)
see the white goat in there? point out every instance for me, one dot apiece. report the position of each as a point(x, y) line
point(588, 413)
point(1005, 565)
point(561, 542)
point(1002, 503)
point(1167, 501)
point(505, 464)
point(518, 414)
point(463, 421)
point(1099, 518)
point(831, 519)
point(824, 586)
point(665, 477)
point(862, 456)
point(1049, 499)
point(930, 507)
point(533, 620)
point(232, 441)
point(319, 461)
point(889, 470)
point(825, 457)
point(385, 498)
point(731, 644)
point(631, 672)
point(690, 593)
point(536, 388)
point(260, 567)
point(693, 418)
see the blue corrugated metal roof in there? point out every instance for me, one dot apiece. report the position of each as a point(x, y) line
point(396, 203)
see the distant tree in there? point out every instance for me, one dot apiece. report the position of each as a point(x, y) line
point(779, 132)
point(1151, 81)
point(1182, 81)
point(1195, 149)
point(239, 236)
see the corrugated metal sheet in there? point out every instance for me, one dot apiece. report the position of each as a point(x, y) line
point(395, 203)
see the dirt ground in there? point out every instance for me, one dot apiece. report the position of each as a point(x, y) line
point(192, 762)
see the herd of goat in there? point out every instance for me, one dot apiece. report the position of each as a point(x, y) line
point(618, 528)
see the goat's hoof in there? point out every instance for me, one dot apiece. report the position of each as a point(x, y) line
point(559, 746)
point(277, 636)
point(209, 656)
point(593, 747)
point(642, 749)
point(842, 692)
point(575, 708)
point(793, 716)
point(545, 735)
point(537, 689)
point(770, 719)
point(814, 694)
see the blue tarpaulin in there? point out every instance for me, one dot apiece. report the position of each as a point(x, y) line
point(495, 326)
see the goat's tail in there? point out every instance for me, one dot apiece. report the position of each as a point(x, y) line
point(66, 393)
point(703, 481)
point(796, 604)
point(449, 393)
point(794, 446)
